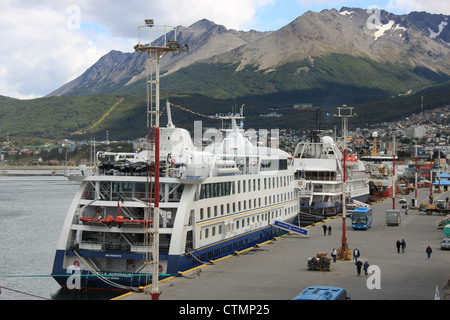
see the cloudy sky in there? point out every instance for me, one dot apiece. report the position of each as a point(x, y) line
point(47, 43)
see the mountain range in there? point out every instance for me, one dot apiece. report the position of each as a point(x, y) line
point(417, 45)
point(328, 58)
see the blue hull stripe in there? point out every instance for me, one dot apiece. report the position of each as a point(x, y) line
point(175, 263)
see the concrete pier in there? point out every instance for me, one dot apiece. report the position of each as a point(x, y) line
point(278, 270)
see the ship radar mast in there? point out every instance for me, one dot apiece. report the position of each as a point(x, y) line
point(233, 117)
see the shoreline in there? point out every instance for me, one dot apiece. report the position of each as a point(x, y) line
point(46, 167)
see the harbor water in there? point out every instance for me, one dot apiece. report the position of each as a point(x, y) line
point(32, 213)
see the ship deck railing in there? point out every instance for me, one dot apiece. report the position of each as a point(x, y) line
point(191, 172)
point(96, 245)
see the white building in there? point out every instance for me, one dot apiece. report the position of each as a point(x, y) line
point(416, 132)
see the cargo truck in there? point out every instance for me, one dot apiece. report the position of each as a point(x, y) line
point(393, 217)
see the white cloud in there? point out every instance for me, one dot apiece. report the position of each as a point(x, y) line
point(39, 52)
point(47, 43)
point(430, 6)
point(122, 20)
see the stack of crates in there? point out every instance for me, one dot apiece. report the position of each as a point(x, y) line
point(347, 254)
point(320, 262)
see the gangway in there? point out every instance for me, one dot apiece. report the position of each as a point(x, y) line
point(291, 227)
point(360, 204)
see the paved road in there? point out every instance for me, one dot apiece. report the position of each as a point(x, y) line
point(278, 270)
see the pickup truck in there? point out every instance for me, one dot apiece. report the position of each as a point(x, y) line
point(440, 207)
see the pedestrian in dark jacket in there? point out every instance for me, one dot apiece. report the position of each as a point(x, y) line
point(403, 245)
point(429, 251)
point(324, 227)
point(398, 244)
point(366, 266)
point(358, 267)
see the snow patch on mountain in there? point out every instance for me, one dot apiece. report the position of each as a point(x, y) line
point(440, 28)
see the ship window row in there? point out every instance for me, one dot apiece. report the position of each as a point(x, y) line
point(234, 207)
point(220, 189)
point(273, 164)
point(316, 175)
point(251, 185)
point(217, 189)
point(218, 230)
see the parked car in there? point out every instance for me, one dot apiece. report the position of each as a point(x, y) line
point(445, 244)
point(402, 200)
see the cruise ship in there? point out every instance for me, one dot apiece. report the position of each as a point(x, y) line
point(213, 202)
point(319, 167)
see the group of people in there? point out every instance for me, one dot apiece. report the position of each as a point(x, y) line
point(358, 263)
point(401, 244)
point(356, 253)
point(365, 266)
point(325, 229)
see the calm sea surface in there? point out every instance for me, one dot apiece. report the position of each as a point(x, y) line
point(32, 211)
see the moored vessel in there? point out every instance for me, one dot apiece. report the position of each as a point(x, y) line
point(319, 176)
point(172, 205)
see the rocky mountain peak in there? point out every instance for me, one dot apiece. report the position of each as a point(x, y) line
point(203, 24)
point(417, 39)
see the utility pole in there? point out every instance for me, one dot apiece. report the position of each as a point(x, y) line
point(344, 113)
point(156, 50)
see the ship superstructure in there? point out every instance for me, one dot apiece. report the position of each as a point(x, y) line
point(319, 176)
point(212, 202)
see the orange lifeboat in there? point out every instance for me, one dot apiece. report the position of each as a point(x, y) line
point(89, 220)
point(108, 220)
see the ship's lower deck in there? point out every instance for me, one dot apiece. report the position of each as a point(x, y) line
point(112, 270)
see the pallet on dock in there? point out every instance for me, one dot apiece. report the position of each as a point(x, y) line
point(320, 262)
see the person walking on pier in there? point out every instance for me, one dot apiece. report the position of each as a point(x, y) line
point(358, 267)
point(334, 254)
point(398, 244)
point(366, 267)
point(403, 245)
point(429, 251)
point(324, 227)
point(356, 254)
point(329, 230)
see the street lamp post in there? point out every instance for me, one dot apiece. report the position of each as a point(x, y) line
point(344, 113)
